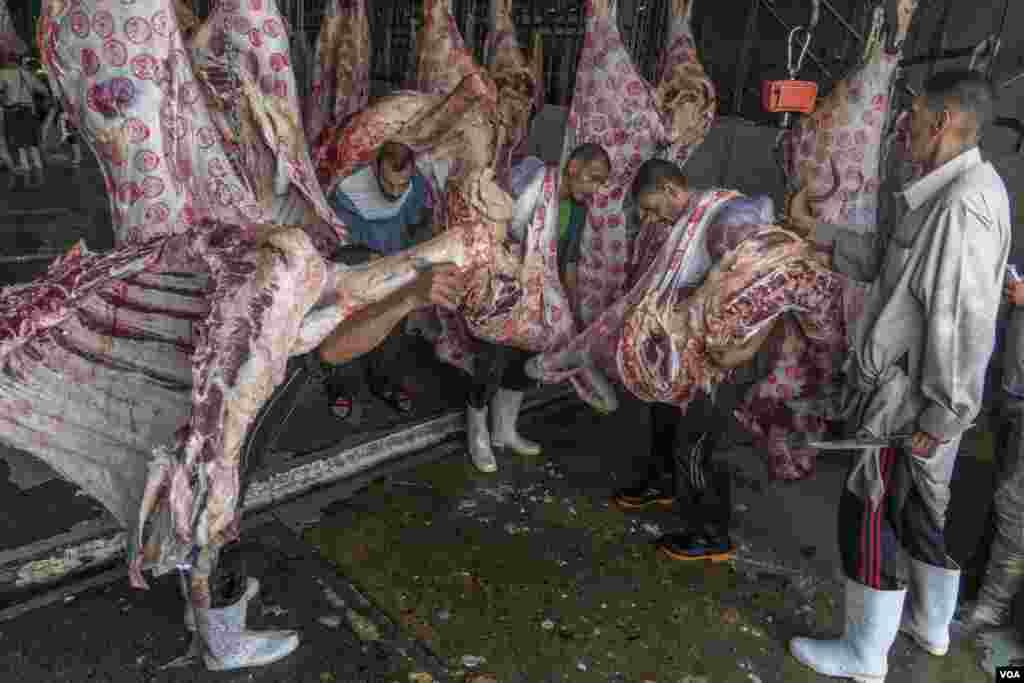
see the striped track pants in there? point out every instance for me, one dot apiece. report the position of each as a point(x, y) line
point(871, 536)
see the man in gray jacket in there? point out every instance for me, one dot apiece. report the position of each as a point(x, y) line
point(917, 364)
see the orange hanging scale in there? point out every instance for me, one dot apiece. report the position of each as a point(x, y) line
point(792, 95)
point(785, 97)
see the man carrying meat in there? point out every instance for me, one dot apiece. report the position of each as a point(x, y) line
point(500, 380)
point(678, 468)
point(917, 364)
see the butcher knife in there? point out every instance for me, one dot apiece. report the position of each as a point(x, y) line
point(852, 444)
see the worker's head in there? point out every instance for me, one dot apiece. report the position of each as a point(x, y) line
point(586, 172)
point(395, 168)
point(950, 114)
point(659, 192)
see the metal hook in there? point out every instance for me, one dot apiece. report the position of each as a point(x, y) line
point(795, 69)
point(808, 34)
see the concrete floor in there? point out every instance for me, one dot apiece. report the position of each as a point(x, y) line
point(785, 535)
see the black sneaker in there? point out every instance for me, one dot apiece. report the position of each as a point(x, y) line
point(640, 497)
point(686, 546)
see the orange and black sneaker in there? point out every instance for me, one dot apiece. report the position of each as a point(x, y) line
point(642, 497)
point(687, 546)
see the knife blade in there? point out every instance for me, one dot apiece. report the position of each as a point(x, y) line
point(854, 443)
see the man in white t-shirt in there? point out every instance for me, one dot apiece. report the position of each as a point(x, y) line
point(18, 87)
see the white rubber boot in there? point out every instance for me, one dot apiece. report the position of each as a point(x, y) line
point(480, 440)
point(36, 158)
point(252, 589)
point(504, 411)
point(229, 646)
point(931, 604)
point(862, 653)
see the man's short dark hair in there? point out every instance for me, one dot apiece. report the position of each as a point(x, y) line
point(399, 156)
point(653, 174)
point(970, 91)
point(588, 153)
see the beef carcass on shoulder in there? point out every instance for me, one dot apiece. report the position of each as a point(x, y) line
point(341, 68)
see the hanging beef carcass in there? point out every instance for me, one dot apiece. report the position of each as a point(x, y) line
point(842, 139)
point(443, 61)
point(341, 68)
point(686, 97)
point(520, 81)
point(173, 340)
point(179, 142)
point(847, 127)
point(613, 105)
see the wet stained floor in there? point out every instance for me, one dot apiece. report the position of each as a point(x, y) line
point(530, 574)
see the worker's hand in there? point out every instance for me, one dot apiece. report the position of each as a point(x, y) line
point(1014, 293)
point(439, 286)
point(800, 219)
point(922, 444)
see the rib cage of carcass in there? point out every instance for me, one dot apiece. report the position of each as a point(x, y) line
point(614, 106)
point(341, 68)
point(136, 373)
